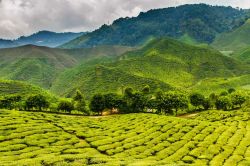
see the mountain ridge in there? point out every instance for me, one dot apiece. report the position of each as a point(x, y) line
point(200, 21)
point(41, 38)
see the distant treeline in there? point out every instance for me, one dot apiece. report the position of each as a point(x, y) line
point(130, 101)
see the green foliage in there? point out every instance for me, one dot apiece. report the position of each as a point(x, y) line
point(10, 102)
point(80, 103)
point(146, 89)
point(224, 93)
point(197, 99)
point(207, 103)
point(97, 103)
point(238, 98)
point(112, 101)
point(171, 101)
point(231, 90)
point(223, 102)
point(65, 105)
point(78, 96)
point(36, 102)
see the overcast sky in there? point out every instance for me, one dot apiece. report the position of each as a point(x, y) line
point(23, 17)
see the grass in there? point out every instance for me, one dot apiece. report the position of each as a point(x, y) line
point(211, 137)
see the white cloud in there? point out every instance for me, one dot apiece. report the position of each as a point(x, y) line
point(23, 17)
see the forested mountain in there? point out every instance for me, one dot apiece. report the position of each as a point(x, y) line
point(200, 22)
point(162, 63)
point(42, 38)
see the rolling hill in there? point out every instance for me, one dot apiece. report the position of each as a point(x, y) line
point(162, 63)
point(243, 55)
point(36, 65)
point(41, 38)
point(200, 22)
point(41, 65)
point(234, 41)
point(8, 87)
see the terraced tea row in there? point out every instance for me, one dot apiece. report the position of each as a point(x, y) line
point(143, 139)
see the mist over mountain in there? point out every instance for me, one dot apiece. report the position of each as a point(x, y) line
point(41, 38)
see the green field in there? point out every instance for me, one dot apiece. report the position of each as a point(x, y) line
point(212, 137)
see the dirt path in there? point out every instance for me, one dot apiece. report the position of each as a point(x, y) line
point(188, 115)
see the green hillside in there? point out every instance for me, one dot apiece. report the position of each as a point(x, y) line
point(161, 63)
point(201, 22)
point(235, 40)
point(92, 79)
point(41, 65)
point(37, 65)
point(243, 55)
point(8, 87)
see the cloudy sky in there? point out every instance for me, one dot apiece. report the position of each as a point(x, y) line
point(23, 17)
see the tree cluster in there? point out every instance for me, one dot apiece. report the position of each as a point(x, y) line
point(129, 102)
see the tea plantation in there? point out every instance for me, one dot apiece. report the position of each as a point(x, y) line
point(209, 138)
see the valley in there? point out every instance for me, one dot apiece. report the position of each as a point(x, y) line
point(170, 86)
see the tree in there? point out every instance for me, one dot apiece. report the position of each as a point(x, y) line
point(5, 103)
point(78, 96)
point(212, 98)
point(159, 101)
point(152, 104)
point(37, 101)
point(138, 103)
point(128, 92)
point(197, 99)
point(10, 102)
point(207, 103)
point(113, 101)
point(223, 102)
point(97, 103)
point(80, 103)
point(65, 105)
point(238, 99)
point(171, 101)
point(177, 101)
